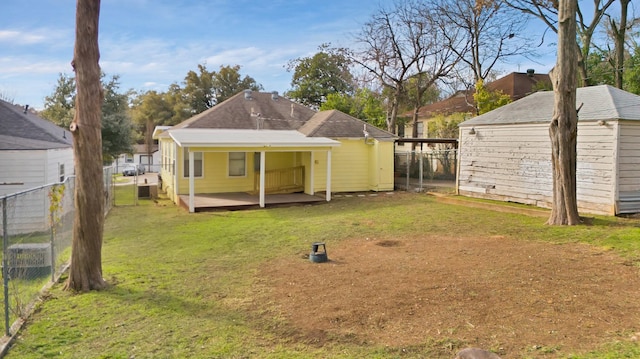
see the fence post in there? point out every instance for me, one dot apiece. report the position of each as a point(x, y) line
point(408, 170)
point(52, 230)
point(421, 169)
point(5, 265)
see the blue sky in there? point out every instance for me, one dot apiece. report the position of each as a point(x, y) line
point(153, 43)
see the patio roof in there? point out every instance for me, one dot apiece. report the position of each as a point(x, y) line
point(204, 137)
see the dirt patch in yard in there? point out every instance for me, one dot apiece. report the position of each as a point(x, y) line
point(516, 298)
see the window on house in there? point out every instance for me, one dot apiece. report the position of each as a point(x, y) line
point(197, 164)
point(237, 164)
point(128, 158)
point(61, 171)
point(400, 130)
point(420, 129)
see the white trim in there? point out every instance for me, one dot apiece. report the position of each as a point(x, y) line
point(328, 197)
point(312, 167)
point(263, 162)
point(191, 182)
point(189, 137)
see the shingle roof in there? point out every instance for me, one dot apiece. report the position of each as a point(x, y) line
point(336, 124)
point(26, 131)
point(268, 111)
point(516, 84)
point(241, 113)
point(598, 103)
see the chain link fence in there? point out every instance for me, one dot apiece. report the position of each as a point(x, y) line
point(37, 230)
point(419, 171)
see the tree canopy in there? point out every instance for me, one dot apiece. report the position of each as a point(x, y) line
point(316, 77)
point(60, 108)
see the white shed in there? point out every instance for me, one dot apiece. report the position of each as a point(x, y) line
point(505, 154)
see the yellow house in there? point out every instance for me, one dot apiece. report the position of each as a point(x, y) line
point(260, 144)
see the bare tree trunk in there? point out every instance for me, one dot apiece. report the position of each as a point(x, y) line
point(85, 273)
point(564, 124)
point(619, 34)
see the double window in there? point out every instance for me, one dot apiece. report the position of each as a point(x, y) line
point(197, 164)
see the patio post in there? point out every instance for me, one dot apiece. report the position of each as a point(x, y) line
point(262, 166)
point(328, 175)
point(191, 182)
point(312, 174)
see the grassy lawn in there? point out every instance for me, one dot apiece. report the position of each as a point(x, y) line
point(182, 284)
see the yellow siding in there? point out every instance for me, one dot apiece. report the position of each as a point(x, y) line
point(216, 169)
point(356, 166)
point(381, 170)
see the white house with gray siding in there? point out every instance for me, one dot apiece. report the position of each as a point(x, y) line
point(33, 152)
point(505, 154)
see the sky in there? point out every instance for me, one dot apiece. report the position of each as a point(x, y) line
point(151, 44)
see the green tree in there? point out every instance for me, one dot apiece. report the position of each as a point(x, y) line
point(364, 104)
point(59, 107)
point(487, 100)
point(116, 122)
point(151, 109)
point(228, 82)
point(632, 72)
point(445, 126)
point(205, 89)
point(116, 125)
point(198, 90)
point(314, 78)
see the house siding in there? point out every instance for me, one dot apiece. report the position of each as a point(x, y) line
point(350, 166)
point(31, 169)
point(513, 163)
point(628, 199)
point(356, 167)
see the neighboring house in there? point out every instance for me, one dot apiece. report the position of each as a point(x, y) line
point(516, 84)
point(505, 154)
point(262, 143)
point(141, 157)
point(33, 152)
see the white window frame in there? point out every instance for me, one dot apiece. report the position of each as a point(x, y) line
point(230, 166)
point(61, 172)
point(185, 164)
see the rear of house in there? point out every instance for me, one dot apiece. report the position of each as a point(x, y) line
point(262, 143)
point(506, 154)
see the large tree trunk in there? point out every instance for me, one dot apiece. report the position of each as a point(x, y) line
point(85, 272)
point(564, 124)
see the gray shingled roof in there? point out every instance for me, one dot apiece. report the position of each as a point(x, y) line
point(241, 113)
point(26, 131)
point(598, 103)
point(250, 110)
point(337, 124)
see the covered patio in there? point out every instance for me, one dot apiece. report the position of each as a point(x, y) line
point(241, 200)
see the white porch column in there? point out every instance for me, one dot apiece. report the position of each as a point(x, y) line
point(174, 155)
point(312, 174)
point(263, 161)
point(191, 182)
point(328, 175)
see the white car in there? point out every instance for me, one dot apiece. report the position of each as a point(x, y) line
point(132, 170)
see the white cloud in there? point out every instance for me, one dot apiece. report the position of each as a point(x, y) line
point(18, 37)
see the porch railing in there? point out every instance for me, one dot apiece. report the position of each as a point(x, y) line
point(283, 180)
